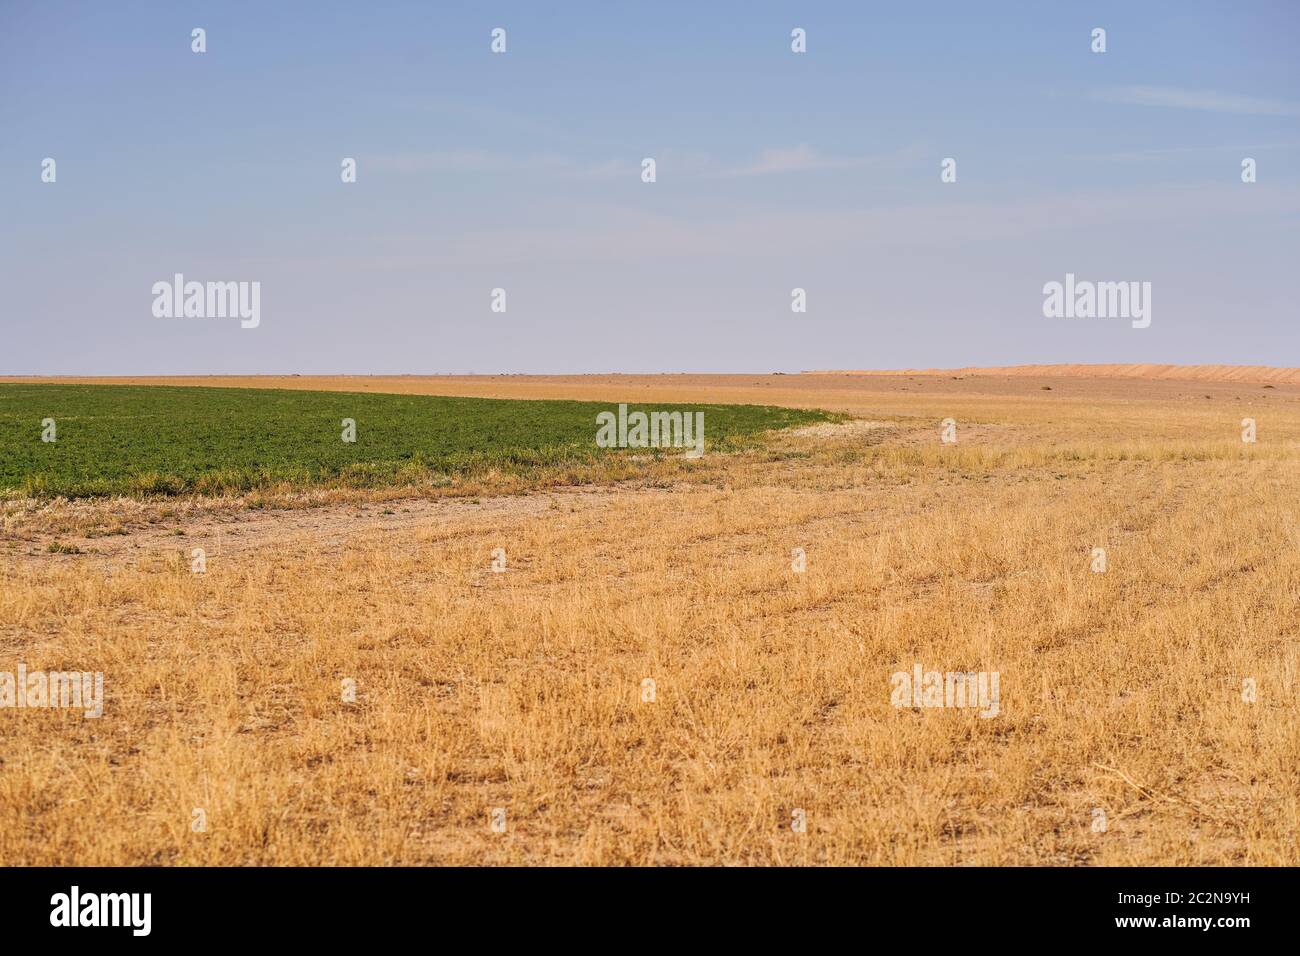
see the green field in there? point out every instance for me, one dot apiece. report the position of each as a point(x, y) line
point(158, 440)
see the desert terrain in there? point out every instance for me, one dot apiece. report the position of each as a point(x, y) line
point(1148, 711)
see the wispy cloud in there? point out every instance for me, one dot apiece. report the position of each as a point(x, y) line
point(1239, 149)
point(804, 158)
point(484, 161)
point(1209, 100)
point(631, 235)
point(796, 159)
point(801, 158)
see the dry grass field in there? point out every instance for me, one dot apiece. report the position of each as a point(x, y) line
point(1121, 692)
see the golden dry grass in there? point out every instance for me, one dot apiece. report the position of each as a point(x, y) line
point(522, 689)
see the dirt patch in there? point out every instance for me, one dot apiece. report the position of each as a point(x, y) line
point(849, 429)
point(228, 530)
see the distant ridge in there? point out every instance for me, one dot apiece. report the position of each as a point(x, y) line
point(1196, 373)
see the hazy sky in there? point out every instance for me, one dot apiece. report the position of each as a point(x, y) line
point(522, 171)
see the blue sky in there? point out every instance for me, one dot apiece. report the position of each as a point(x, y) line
point(775, 170)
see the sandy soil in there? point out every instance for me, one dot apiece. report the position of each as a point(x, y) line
point(854, 392)
point(1192, 373)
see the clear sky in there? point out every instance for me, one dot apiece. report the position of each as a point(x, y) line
point(522, 171)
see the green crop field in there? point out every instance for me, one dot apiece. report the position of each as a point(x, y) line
point(141, 440)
